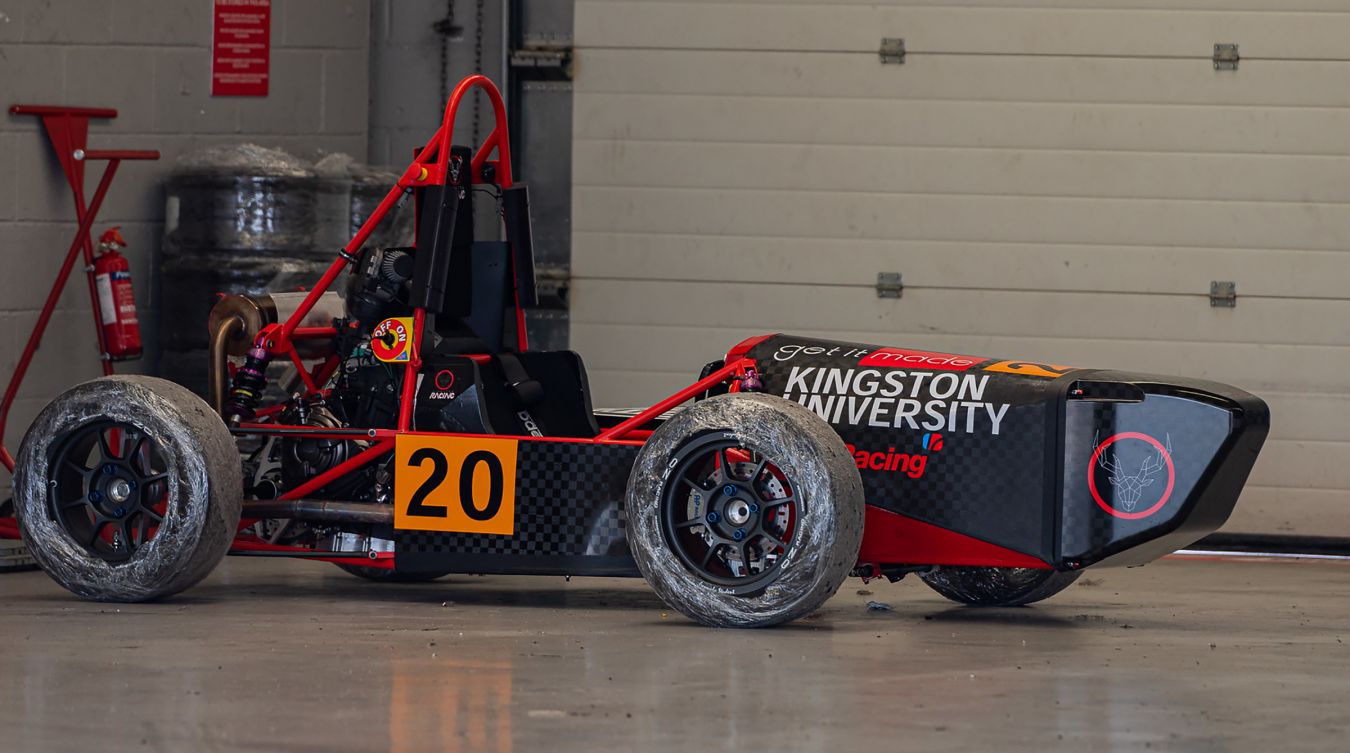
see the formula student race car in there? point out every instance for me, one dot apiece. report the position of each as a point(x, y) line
point(417, 435)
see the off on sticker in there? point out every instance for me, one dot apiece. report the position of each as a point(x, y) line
point(391, 341)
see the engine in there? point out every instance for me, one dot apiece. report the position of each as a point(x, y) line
point(362, 394)
point(381, 285)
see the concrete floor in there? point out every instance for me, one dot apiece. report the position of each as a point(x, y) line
point(275, 655)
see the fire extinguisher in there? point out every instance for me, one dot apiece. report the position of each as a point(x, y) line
point(116, 299)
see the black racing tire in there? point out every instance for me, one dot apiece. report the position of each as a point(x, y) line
point(998, 586)
point(819, 486)
point(385, 575)
point(183, 467)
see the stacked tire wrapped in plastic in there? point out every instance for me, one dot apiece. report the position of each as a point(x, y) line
point(248, 219)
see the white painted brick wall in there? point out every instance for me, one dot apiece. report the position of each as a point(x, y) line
point(150, 59)
point(406, 102)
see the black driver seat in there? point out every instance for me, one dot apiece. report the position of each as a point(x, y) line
point(543, 391)
point(469, 289)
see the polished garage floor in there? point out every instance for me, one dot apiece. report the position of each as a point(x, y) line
point(277, 655)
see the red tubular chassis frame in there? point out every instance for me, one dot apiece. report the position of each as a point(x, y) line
point(491, 163)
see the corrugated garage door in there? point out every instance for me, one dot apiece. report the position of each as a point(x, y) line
point(1055, 179)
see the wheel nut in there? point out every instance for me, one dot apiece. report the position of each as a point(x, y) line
point(739, 534)
point(119, 490)
point(730, 490)
point(712, 517)
point(119, 512)
point(96, 496)
point(109, 469)
point(754, 507)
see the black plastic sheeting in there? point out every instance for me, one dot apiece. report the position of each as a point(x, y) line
point(247, 219)
point(243, 197)
point(368, 187)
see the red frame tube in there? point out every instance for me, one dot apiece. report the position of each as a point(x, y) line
point(421, 172)
point(380, 449)
point(278, 339)
point(703, 385)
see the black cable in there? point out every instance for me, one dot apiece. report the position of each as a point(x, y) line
point(446, 29)
point(477, 68)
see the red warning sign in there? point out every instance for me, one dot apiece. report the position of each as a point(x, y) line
point(241, 48)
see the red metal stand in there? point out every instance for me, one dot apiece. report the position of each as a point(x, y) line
point(68, 130)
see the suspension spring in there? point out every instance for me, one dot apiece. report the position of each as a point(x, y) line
point(247, 389)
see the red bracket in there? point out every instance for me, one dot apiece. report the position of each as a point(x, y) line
point(68, 130)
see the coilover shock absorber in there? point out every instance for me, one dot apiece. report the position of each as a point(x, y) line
point(248, 385)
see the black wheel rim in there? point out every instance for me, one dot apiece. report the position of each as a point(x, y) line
point(729, 513)
point(109, 488)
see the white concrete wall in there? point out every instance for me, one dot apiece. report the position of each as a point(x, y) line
point(1057, 180)
point(406, 104)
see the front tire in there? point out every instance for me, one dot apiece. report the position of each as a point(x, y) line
point(128, 488)
point(998, 586)
point(744, 510)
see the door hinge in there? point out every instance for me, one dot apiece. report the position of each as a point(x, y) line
point(543, 56)
point(892, 50)
point(1226, 57)
point(1223, 294)
point(890, 285)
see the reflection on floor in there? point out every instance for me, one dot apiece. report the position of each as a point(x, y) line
point(271, 655)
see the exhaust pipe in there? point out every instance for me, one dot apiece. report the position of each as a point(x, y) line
point(320, 511)
point(236, 320)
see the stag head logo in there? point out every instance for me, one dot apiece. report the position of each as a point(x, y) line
point(1132, 479)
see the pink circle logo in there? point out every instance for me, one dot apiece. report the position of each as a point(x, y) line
point(1131, 482)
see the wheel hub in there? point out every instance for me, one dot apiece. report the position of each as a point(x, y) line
point(109, 485)
point(729, 514)
point(737, 512)
point(119, 491)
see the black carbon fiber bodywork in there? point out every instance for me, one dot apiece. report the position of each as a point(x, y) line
point(568, 518)
point(1071, 466)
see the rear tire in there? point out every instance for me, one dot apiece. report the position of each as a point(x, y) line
point(998, 586)
point(128, 488)
point(744, 510)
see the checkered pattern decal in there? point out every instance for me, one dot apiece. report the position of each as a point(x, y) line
point(568, 502)
point(989, 487)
